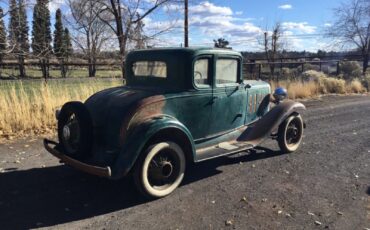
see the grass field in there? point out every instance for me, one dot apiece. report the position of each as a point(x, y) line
point(27, 107)
point(55, 73)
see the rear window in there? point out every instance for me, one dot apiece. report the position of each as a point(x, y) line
point(150, 69)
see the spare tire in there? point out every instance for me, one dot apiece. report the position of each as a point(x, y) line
point(75, 130)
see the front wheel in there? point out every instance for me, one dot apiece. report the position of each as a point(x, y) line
point(160, 169)
point(290, 133)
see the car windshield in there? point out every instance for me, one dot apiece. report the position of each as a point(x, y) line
point(150, 69)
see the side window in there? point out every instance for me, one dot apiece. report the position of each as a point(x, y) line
point(201, 72)
point(226, 71)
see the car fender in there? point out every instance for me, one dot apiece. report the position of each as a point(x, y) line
point(270, 122)
point(139, 137)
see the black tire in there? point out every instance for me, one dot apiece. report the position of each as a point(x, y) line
point(159, 170)
point(290, 133)
point(75, 114)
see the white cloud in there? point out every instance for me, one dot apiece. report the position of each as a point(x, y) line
point(55, 4)
point(301, 27)
point(207, 8)
point(327, 25)
point(210, 21)
point(285, 7)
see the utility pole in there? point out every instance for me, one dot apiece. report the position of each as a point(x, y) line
point(186, 25)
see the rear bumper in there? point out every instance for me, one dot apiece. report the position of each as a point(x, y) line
point(91, 169)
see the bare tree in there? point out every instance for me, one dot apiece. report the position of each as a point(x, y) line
point(272, 45)
point(352, 27)
point(126, 14)
point(90, 33)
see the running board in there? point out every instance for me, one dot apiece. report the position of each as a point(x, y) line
point(222, 149)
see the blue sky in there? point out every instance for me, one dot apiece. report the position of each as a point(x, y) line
point(241, 22)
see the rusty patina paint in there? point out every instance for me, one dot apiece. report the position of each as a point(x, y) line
point(140, 112)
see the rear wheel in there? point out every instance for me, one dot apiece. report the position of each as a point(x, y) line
point(290, 134)
point(160, 169)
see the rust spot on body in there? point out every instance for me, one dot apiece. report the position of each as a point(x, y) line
point(143, 110)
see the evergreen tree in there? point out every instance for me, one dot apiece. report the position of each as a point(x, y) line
point(2, 34)
point(66, 51)
point(58, 34)
point(41, 34)
point(67, 44)
point(13, 24)
point(23, 28)
point(2, 38)
point(221, 43)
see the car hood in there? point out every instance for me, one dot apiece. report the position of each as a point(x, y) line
point(112, 104)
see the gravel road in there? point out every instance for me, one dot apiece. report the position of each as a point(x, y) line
point(324, 185)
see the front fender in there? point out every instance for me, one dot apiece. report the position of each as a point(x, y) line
point(270, 122)
point(137, 139)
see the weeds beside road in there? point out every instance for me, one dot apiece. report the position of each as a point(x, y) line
point(28, 107)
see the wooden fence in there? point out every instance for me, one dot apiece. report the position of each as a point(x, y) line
point(258, 69)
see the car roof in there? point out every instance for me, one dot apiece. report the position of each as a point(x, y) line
point(178, 61)
point(187, 51)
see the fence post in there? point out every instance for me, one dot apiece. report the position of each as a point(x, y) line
point(259, 70)
point(281, 65)
point(338, 68)
point(302, 67)
point(320, 65)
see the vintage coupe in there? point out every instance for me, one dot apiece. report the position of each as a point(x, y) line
point(179, 106)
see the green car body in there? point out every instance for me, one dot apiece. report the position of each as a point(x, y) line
point(197, 114)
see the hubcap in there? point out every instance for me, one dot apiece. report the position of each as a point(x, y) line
point(163, 169)
point(71, 134)
point(166, 169)
point(66, 132)
point(293, 133)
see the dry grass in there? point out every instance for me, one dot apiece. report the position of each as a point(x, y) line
point(355, 86)
point(298, 90)
point(317, 83)
point(28, 107)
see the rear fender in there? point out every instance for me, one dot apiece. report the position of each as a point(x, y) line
point(139, 137)
point(270, 122)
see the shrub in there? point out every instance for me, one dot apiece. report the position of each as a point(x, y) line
point(366, 82)
point(355, 86)
point(309, 66)
point(324, 83)
point(313, 75)
point(350, 69)
point(333, 85)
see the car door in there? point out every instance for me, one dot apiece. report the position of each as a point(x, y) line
point(196, 107)
point(229, 95)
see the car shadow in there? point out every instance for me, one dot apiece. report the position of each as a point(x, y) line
point(209, 168)
point(42, 197)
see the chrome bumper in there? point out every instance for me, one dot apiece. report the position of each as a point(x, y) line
point(91, 169)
